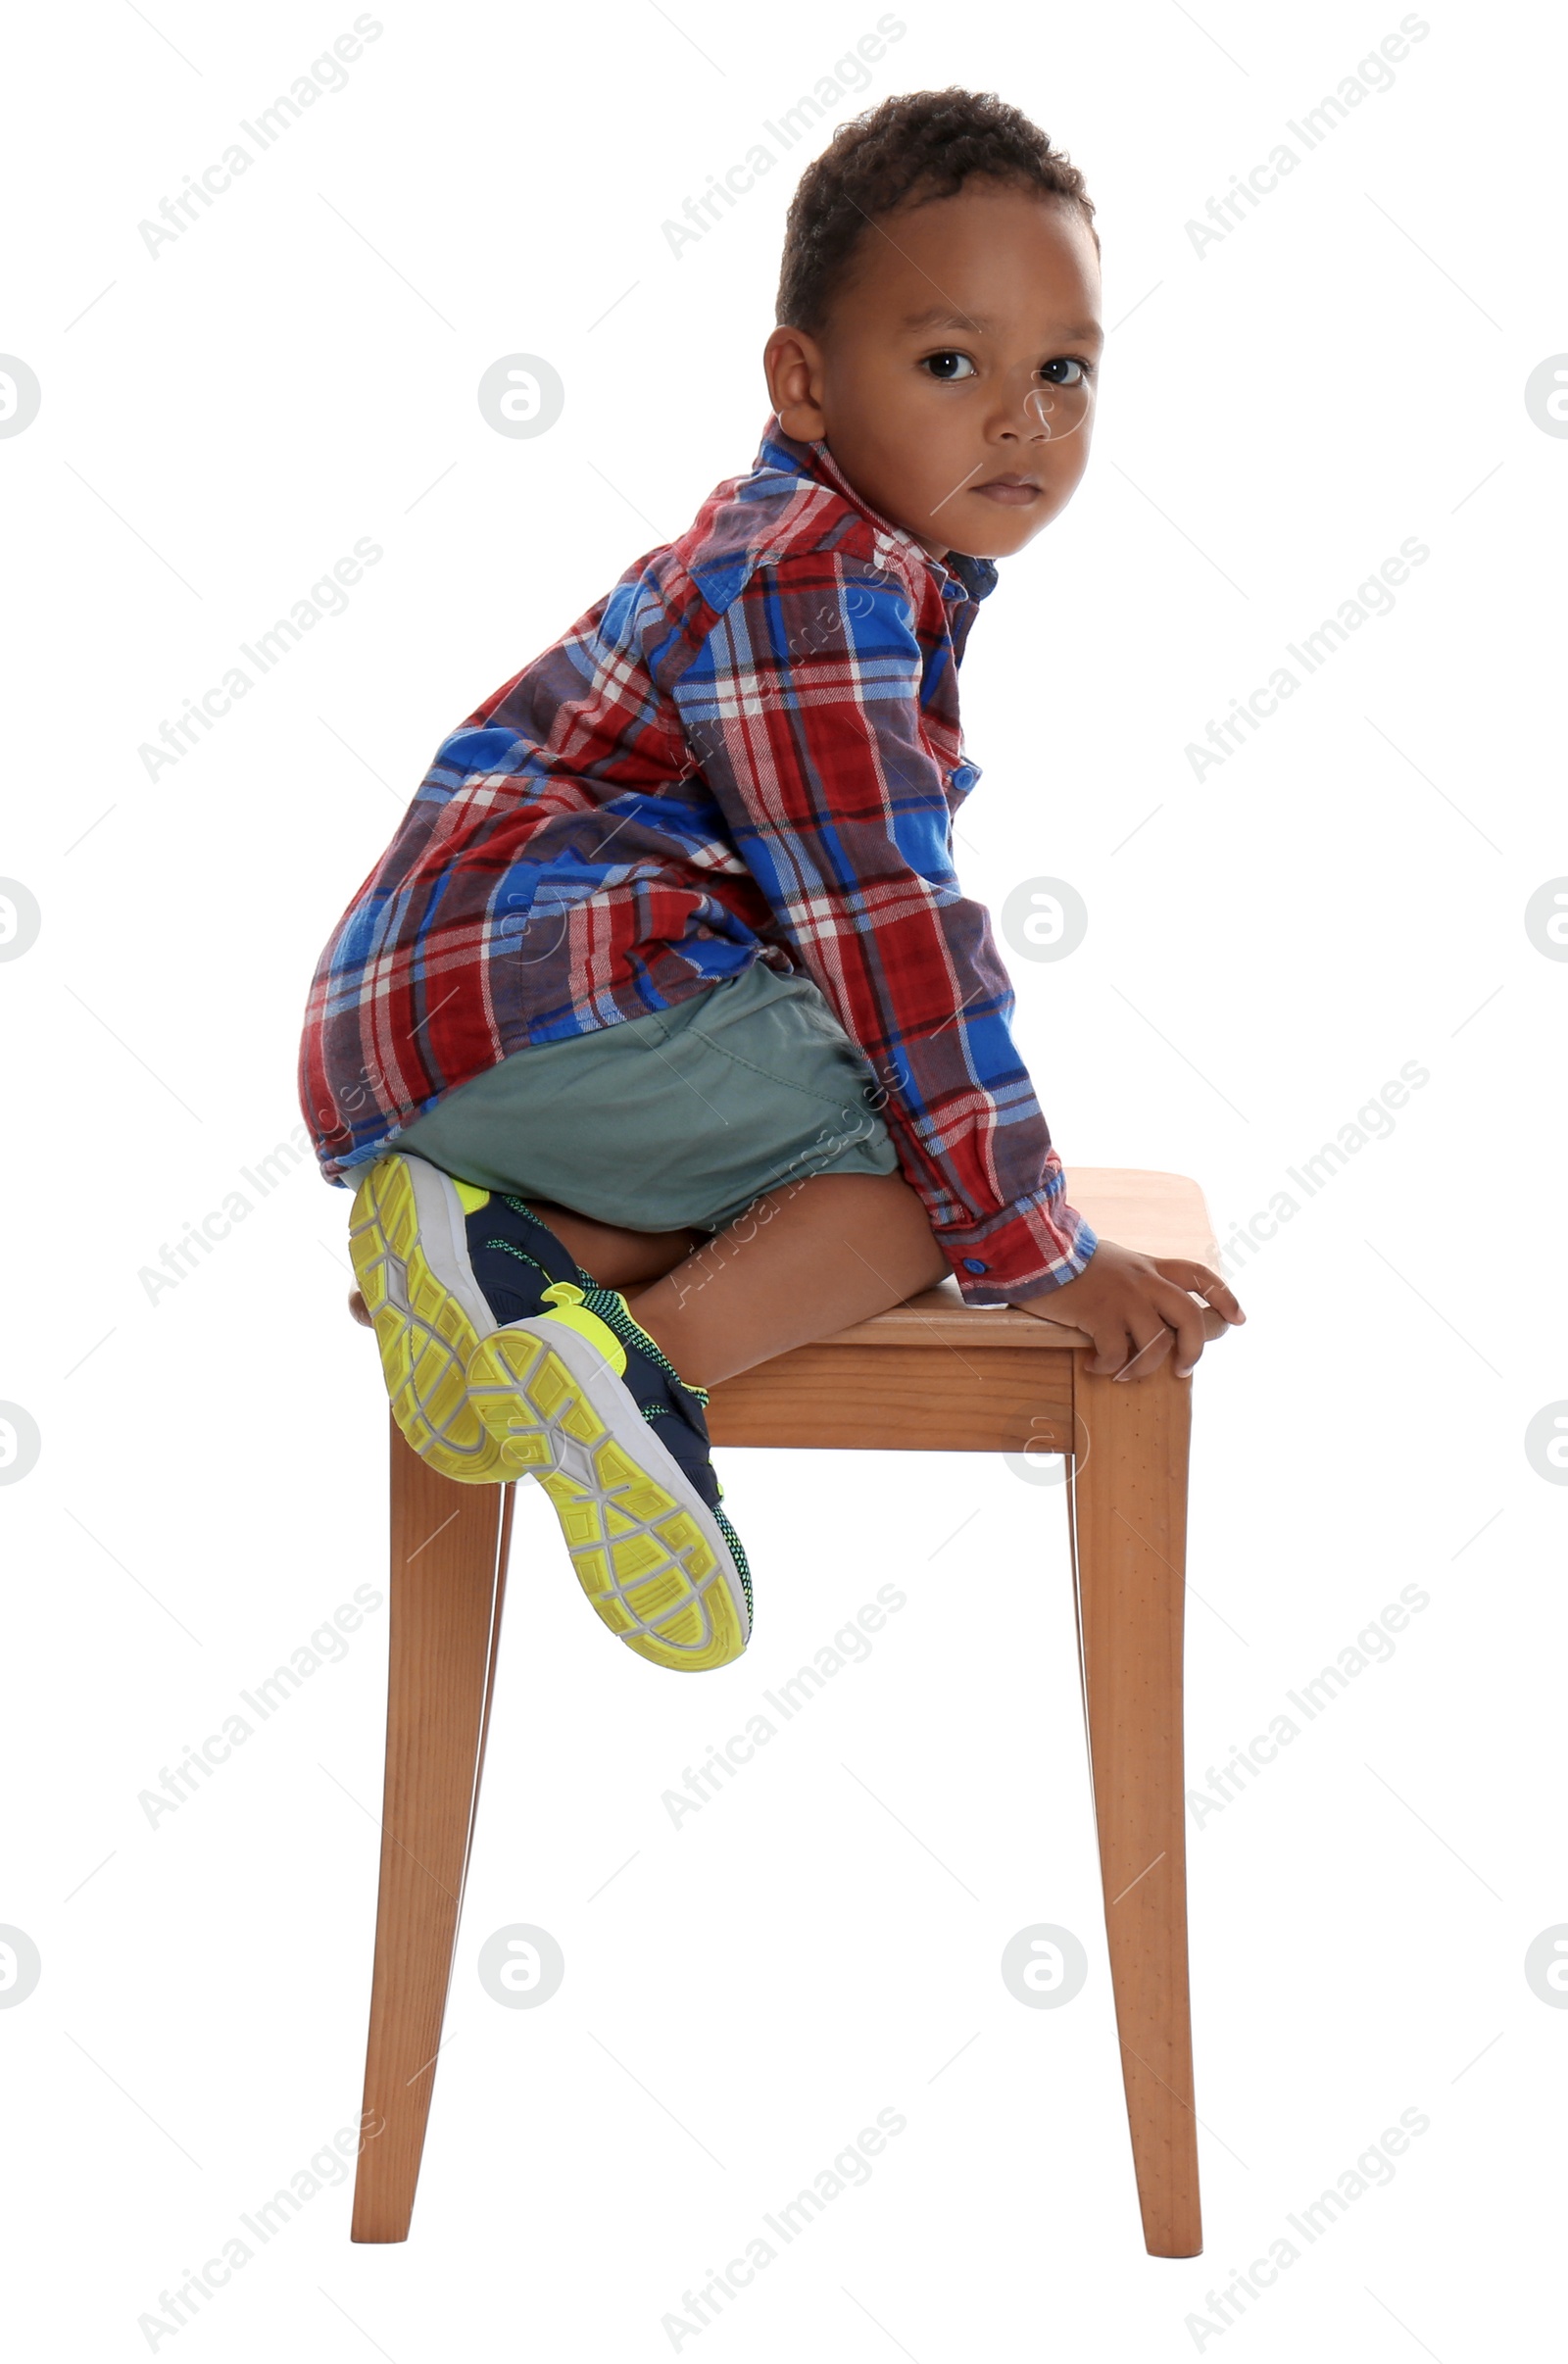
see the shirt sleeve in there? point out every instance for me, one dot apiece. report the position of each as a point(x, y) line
point(803, 710)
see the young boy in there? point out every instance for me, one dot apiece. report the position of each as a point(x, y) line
point(662, 1039)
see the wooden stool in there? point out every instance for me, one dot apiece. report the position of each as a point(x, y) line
point(885, 1383)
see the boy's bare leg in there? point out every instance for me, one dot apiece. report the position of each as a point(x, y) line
point(804, 1262)
point(816, 1255)
point(617, 1258)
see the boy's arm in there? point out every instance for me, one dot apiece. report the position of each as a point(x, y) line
point(803, 710)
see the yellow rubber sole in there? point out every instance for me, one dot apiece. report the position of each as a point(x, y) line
point(424, 1333)
point(642, 1555)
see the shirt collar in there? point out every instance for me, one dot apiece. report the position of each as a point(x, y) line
point(975, 577)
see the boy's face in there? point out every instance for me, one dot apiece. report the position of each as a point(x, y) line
point(953, 378)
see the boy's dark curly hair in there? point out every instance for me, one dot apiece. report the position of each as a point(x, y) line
point(925, 144)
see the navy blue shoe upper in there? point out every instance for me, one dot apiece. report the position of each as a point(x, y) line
point(515, 1258)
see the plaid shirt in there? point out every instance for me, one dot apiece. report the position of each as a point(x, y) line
point(749, 751)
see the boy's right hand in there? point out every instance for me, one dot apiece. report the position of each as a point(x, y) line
point(1136, 1308)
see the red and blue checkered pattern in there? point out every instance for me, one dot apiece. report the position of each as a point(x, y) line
point(749, 750)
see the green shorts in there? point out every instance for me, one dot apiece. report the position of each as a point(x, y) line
point(675, 1120)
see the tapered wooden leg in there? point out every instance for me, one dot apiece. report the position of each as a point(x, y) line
point(449, 1564)
point(1127, 1503)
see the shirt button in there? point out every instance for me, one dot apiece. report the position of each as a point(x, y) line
point(973, 1264)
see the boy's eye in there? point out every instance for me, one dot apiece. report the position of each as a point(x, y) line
point(1063, 371)
point(949, 366)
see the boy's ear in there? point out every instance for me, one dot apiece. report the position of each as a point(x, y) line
point(793, 361)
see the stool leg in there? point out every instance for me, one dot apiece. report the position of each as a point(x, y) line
point(1127, 1506)
point(449, 1564)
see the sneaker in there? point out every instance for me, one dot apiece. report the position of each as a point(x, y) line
point(580, 1397)
point(441, 1264)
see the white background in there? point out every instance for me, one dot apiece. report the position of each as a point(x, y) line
point(219, 424)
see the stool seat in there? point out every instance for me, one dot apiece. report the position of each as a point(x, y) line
point(932, 1374)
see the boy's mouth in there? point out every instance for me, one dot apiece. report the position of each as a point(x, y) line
point(1012, 492)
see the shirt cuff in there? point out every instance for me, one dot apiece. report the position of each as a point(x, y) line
point(1026, 1249)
